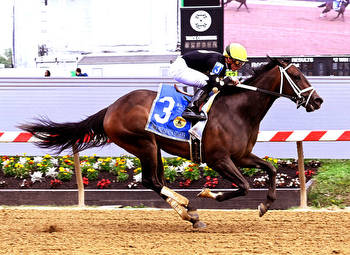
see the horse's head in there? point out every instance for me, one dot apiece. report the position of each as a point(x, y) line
point(294, 83)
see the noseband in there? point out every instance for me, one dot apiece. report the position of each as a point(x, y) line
point(300, 100)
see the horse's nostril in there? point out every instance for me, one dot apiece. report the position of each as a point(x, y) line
point(319, 100)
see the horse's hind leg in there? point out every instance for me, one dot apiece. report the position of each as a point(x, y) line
point(254, 161)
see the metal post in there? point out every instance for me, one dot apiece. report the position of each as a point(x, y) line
point(81, 195)
point(303, 195)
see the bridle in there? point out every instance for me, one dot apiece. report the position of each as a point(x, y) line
point(300, 100)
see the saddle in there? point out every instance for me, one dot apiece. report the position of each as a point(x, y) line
point(165, 119)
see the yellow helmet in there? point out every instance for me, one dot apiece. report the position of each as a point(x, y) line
point(236, 51)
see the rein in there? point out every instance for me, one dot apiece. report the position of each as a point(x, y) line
point(299, 99)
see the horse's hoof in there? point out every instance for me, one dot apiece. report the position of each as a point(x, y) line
point(199, 225)
point(194, 215)
point(262, 209)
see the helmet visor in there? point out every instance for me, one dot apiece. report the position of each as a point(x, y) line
point(236, 62)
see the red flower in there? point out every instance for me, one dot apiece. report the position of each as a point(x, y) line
point(104, 183)
point(55, 183)
point(85, 181)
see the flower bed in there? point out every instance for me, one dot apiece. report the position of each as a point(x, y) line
point(24, 172)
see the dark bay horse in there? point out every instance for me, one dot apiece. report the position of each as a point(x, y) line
point(228, 139)
point(329, 6)
point(242, 2)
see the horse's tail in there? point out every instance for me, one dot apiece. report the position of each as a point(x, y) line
point(60, 136)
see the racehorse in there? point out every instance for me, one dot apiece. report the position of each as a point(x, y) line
point(243, 2)
point(329, 6)
point(227, 141)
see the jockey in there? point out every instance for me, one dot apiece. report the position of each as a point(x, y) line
point(200, 68)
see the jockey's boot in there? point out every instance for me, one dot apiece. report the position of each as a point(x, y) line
point(192, 110)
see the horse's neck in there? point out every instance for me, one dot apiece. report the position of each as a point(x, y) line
point(259, 103)
point(255, 105)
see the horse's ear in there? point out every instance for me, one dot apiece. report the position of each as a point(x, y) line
point(274, 60)
point(269, 58)
point(286, 60)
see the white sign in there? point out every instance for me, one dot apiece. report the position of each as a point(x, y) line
point(200, 21)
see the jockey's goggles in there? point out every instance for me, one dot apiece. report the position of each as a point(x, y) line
point(238, 62)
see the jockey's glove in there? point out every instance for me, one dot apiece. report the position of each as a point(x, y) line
point(213, 80)
point(229, 81)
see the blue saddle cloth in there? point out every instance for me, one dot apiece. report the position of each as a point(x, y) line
point(165, 115)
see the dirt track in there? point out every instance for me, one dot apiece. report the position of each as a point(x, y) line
point(27, 231)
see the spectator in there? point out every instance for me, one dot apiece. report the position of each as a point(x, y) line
point(47, 73)
point(79, 73)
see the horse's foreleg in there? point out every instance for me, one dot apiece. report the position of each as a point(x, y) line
point(336, 16)
point(153, 178)
point(182, 206)
point(326, 10)
point(227, 169)
point(254, 161)
point(239, 6)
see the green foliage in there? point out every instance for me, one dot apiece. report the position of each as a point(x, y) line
point(273, 161)
point(332, 184)
point(191, 172)
point(7, 58)
point(92, 174)
point(122, 177)
point(174, 161)
point(250, 171)
point(170, 173)
point(64, 174)
point(207, 171)
point(135, 161)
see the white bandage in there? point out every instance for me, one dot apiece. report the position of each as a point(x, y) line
point(176, 196)
point(181, 210)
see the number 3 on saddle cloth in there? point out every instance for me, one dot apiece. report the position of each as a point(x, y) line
point(165, 119)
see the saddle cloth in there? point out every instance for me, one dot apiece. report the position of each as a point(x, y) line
point(165, 115)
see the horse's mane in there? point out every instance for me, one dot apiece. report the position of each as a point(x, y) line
point(257, 71)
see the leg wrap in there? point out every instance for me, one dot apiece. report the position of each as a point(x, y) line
point(176, 196)
point(181, 210)
point(208, 194)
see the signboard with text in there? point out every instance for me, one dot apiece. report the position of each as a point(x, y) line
point(202, 26)
point(309, 65)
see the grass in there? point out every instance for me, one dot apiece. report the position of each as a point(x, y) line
point(332, 184)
